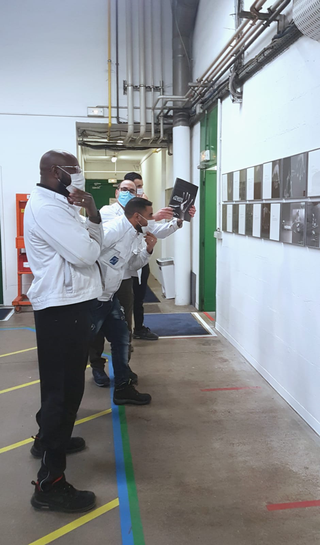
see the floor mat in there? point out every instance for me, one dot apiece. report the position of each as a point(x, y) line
point(177, 325)
point(150, 296)
point(5, 313)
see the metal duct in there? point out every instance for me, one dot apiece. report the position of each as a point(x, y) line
point(183, 19)
point(306, 15)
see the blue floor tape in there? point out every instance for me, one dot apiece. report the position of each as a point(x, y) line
point(125, 515)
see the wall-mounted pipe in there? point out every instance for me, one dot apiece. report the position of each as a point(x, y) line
point(152, 69)
point(129, 71)
point(109, 69)
point(142, 61)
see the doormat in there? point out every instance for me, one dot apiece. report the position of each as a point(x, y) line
point(5, 313)
point(184, 324)
point(150, 297)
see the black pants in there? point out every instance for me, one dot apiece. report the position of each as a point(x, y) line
point(139, 292)
point(125, 297)
point(63, 336)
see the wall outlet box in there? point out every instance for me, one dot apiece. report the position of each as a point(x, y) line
point(217, 234)
point(95, 112)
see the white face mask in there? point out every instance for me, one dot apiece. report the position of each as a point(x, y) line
point(149, 227)
point(139, 191)
point(77, 182)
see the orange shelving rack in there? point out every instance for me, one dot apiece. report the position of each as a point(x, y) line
point(22, 260)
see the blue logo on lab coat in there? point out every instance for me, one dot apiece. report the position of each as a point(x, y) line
point(114, 260)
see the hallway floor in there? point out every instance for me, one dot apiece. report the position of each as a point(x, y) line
point(217, 458)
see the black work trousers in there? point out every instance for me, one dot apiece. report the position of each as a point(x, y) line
point(63, 336)
point(139, 293)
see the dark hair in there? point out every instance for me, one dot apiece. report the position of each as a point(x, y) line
point(133, 176)
point(136, 204)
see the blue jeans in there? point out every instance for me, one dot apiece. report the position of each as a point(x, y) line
point(109, 318)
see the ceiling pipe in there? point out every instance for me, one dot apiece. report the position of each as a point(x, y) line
point(142, 60)
point(152, 69)
point(109, 69)
point(129, 44)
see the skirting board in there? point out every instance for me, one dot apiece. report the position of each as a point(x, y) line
point(305, 415)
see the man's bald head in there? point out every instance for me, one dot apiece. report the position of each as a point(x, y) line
point(50, 173)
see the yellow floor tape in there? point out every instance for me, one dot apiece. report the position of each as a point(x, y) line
point(21, 385)
point(18, 352)
point(77, 523)
point(30, 440)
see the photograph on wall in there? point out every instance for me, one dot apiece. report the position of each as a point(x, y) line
point(230, 186)
point(275, 221)
point(236, 185)
point(313, 223)
point(249, 219)
point(235, 218)
point(224, 217)
point(224, 187)
point(243, 185)
point(294, 176)
point(314, 173)
point(293, 223)
point(258, 175)
point(229, 218)
point(250, 183)
point(256, 222)
point(276, 180)
point(265, 220)
point(183, 196)
point(242, 219)
point(266, 186)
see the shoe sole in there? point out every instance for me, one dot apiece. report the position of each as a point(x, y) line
point(37, 454)
point(40, 506)
point(144, 338)
point(102, 385)
point(130, 402)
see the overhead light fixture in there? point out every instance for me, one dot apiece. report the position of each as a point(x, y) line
point(95, 112)
point(120, 142)
point(114, 159)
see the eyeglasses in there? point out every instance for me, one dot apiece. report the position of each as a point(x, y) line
point(74, 167)
point(132, 191)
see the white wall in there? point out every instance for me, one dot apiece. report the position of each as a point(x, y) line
point(268, 302)
point(53, 66)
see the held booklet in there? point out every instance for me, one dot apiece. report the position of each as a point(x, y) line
point(182, 197)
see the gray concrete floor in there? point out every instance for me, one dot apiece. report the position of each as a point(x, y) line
point(206, 464)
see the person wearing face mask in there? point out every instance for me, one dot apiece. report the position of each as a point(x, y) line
point(63, 249)
point(140, 280)
point(118, 252)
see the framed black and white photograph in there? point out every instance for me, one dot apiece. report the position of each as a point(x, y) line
point(313, 225)
point(275, 221)
point(224, 217)
point(265, 220)
point(243, 185)
point(235, 218)
point(236, 186)
point(256, 224)
point(314, 173)
point(293, 223)
point(249, 219)
point(276, 192)
point(294, 176)
point(267, 176)
point(258, 175)
point(230, 186)
point(250, 184)
point(224, 187)
point(229, 218)
point(242, 219)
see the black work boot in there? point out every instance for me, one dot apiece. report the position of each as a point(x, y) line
point(128, 395)
point(133, 376)
point(145, 334)
point(75, 444)
point(62, 496)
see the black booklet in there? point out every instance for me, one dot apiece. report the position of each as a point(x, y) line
point(182, 197)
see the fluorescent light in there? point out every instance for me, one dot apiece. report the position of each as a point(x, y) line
point(114, 159)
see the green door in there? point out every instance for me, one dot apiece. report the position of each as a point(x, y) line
point(101, 191)
point(208, 213)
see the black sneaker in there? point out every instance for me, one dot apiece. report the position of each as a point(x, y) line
point(63, 497)
point(145, 334)
point(128, 395)
point(75, 444)
point(133, 376)
point(100, 378)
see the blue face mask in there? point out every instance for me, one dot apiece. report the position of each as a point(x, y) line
point(124, 197)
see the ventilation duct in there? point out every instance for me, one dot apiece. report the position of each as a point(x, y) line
point(306, 15)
